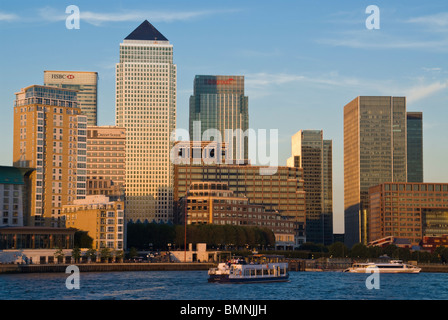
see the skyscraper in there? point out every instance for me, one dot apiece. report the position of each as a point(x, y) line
point(146, 108)
point(218, 102)
point(415, 146)
point(314, 155)
point(50, 135)
point(86, 83)
point(374, 152)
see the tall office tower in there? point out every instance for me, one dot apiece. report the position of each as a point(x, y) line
point(374, 152)
point(86, 83)
point(415, 146)
point(106, 156)
point(314, 155)
point(50, 135)
point(218, 102)
point(146, 108)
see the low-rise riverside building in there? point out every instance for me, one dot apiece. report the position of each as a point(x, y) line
point(408, 210)
point(215, 203)
point(102, 219)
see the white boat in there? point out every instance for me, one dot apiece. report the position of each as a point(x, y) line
point(394, 266)
point(240, 271)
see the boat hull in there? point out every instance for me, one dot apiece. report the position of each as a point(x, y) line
point(381, 271)
point(228, 279)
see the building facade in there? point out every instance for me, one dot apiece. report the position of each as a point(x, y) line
point(219, 111)
point(282, 192)
point(374, 152)
point(408, 210)
point(214, 203)
point(50, 135)
point(314, 155)
point(415, 146)
point(86, 85)
point(14, 195)
point(106, 155)
point(102, 219)
point(146, 108)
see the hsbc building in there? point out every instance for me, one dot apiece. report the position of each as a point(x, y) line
point(87, 85)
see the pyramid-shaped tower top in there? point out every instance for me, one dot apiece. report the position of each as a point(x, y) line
point(146, 31)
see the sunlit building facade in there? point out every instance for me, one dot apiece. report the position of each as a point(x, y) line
point(86, 85)
point(374, 152)
point(106, 155)
point(311, 152)
point(50, 135)
point(408, 210)
point(282, 191)
point(146, 108)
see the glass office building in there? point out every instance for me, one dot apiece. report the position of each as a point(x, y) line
point(314, 155)
point(374, 153)
point(146, 109)
point(218, 102)
point(86, 85)
point(281, 192)
point(415, 146)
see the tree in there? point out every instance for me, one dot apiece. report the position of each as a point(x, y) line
point(133, 253)
point(76, 254)
point(360, 251)
point(338, 250)
point(119, 254)
point(59, 255)
point(105, 254)
point(444, 255)
point(390, 250)
point(91, 254)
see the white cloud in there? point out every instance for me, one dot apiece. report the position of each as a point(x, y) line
point(422, 91)
point(385, 42)
point(8, 16)
point(263, 80)
point(98, 18)
point(438, 20)
point(261, 83)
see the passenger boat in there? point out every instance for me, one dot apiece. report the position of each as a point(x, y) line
point(261, 269)
point(394, 266)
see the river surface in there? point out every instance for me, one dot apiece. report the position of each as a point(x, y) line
point(193, 285)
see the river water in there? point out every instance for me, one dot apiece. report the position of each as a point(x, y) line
point(193, 285)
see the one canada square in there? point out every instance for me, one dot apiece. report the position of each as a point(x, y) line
point(146, 108)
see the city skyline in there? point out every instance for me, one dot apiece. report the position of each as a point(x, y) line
point(307, 60)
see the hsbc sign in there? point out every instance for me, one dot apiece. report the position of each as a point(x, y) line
point(218, 82)
point(62, 76)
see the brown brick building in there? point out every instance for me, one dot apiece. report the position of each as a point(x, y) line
point(408, 210)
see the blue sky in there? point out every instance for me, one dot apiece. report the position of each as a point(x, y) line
point(302, 60)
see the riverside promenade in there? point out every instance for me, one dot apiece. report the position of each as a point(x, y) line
point(104, 267)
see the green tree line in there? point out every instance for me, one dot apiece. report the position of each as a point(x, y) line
point(147, 236)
